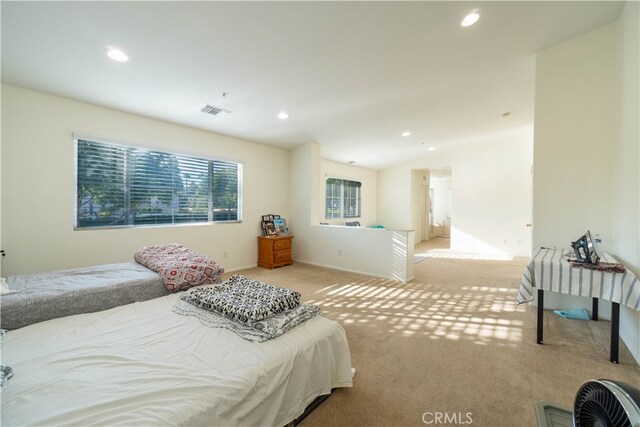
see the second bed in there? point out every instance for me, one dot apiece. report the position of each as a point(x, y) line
point(143, 364)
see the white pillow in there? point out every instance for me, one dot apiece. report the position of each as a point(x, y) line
point(4, 288)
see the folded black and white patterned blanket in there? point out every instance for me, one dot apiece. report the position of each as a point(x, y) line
point(244, 300)
point(261, 330)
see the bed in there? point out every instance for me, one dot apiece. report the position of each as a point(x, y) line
point(44, 296)
point(158, 270)
point(143, 364)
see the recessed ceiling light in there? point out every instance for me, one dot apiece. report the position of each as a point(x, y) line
point(406, 133)
point(282, 115)
point(117, 54)
point(431, 148)
point(470, 19)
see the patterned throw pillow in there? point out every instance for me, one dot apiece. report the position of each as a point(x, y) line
point(180, 267)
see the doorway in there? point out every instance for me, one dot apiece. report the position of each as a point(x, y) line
point(437, 215)
point(439, 203)
point(431, 211)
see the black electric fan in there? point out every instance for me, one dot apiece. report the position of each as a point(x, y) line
point(606, 403)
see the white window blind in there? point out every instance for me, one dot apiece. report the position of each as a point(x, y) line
point(129, 186)
point(342, 198)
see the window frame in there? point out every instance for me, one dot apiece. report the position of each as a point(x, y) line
point(343, 198)
point(132, 145)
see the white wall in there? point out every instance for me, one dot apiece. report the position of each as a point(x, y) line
point(369, 190)
point(38, 185)
point(418, 203)
point(305, 194)
point(381, 253)
point(586, 150)
point(627, 176)
point(491, 197)
point(575, 119)
point(371, 251)
point(425, 233)
point(491, 194)
point(394, 198)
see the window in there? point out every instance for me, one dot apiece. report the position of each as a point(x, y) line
point(118, 185)
point(342, 199)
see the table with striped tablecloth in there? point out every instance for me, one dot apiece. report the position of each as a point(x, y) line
point(549, 270)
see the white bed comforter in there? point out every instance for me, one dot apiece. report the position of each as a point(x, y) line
point(142, 364)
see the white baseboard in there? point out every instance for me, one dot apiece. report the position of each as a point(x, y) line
point(348, 270)
point(332, 267)
point(233, 270)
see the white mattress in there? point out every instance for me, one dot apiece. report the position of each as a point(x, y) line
point(142, 364)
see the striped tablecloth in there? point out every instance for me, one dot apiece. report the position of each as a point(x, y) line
point(550, 271)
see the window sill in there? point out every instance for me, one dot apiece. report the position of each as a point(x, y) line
point(190, 224)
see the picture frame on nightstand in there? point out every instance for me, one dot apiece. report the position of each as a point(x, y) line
point(281, 227)
point(270, 229)
point(274, 225)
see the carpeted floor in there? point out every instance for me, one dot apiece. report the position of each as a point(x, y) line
point(451, 341)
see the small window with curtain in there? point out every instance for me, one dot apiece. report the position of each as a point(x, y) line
point(342, 198)
point(123, 186)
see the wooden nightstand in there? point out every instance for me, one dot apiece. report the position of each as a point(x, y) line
point(274, 251)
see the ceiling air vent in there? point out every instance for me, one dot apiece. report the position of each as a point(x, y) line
point(210, 109)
